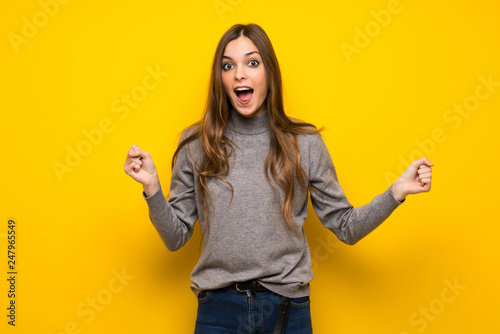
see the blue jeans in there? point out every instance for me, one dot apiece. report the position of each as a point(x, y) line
point(227, 311)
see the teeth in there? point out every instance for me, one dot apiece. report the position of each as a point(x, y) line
point(239, 89)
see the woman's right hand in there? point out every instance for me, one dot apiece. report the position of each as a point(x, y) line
point(141, 168)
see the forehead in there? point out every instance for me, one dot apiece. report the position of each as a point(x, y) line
point(239, 47)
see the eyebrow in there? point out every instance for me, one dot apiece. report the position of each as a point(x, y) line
point(246, 55)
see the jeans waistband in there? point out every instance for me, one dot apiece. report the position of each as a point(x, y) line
point(252, 286)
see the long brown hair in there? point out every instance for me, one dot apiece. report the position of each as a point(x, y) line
point(282, 163)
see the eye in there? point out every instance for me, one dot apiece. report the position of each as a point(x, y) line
point(253, 63)
point(227, 66)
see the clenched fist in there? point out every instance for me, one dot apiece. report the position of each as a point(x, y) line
point(141, 168)
point(415, 179)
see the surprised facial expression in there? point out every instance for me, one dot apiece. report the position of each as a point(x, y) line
point(244, 77)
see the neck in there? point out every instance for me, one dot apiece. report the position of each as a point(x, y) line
point(247, 126)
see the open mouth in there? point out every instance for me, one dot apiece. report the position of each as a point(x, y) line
point(244, 94)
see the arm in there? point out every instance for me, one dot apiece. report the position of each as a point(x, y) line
point(334, 210)
point(173, 219)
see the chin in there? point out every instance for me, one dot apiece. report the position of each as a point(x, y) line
point(247, 112)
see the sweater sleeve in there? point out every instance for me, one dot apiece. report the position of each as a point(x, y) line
point(174, 218)
point(331, 205)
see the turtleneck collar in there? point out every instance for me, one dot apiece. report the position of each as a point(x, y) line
point(247, 126)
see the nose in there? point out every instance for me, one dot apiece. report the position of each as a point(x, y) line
point(240, 73)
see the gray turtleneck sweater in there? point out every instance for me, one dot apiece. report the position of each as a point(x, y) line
point(246, 238)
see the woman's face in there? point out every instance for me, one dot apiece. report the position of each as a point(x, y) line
point(244, 77)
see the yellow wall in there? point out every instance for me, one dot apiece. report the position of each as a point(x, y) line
point(88, 260)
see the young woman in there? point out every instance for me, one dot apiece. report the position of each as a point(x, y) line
point(245, 172)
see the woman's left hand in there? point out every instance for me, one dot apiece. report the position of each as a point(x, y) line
point(415, 179)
